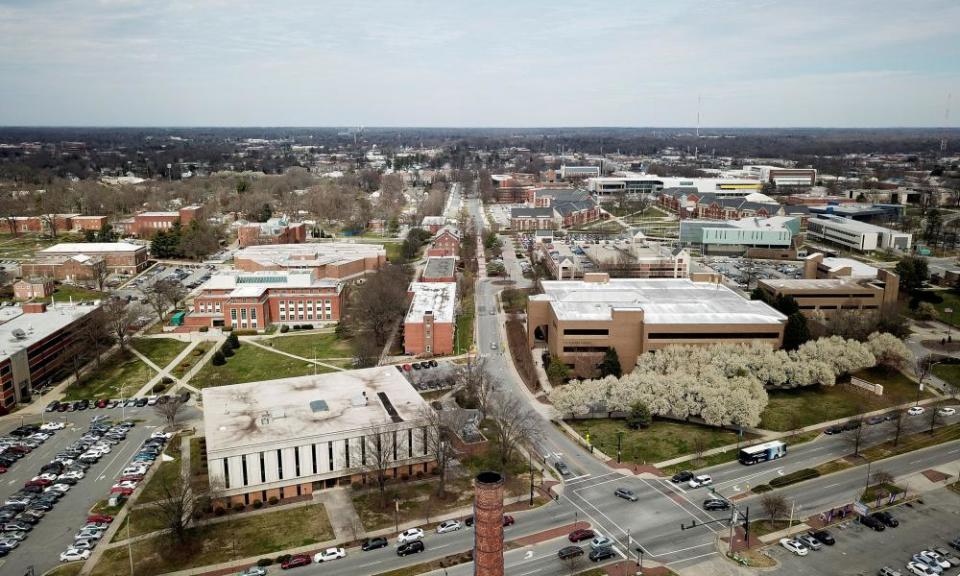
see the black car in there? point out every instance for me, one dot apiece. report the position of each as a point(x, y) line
point(569, 552)
point(851, 425)
point(833, 430)
point(824, 537)
point(410, 548)
point(680, 477)
point(874, 420)
point(374, 543)
point(55, 467)
point(601, 554)
point(141, 402)
point(887, 518)
point(871, 522)
point(716, 504)
point(955, 543)
point(51, 407)
point(468, 521)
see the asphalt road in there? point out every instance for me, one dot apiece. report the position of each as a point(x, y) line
point(52, 535)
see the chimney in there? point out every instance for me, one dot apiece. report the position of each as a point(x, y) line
point(34, 307)
point(810, 265)
point(596, 277)
point(488, 525)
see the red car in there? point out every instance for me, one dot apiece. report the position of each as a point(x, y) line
point(581, 535)
point(41, 482)
point(508, 520)
point(407, 367)
point(295, 560)
point(131, 477)
point(124, 491)
point(102, 403)
point(3, 469)
point(99, 519)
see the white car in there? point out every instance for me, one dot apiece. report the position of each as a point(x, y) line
point(89, 535)
point(163, 435)
point(701, 480)
point(947, 411)
point(921, 569)
point(938, 559)
point(61, 488)
point(329, 554)
point(916, 411)
point(84, 544)
point(125, 484)
point(134, 470)
point(152, 400)
point(600, 542)
point(41, 436)
point(73, 554)
point(448, 526)
point(45, 476)
point(794, 546)
point(410, 535)
point(53, 426)
point(75, 474)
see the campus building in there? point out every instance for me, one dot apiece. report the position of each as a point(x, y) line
point(763, 237)
point(607, 186)
point(76, 269)
point(632, 258)
point(578, 172)
point(338, 260)
point(582, 318)
point(428, 328)
point(856, 235)
point(273, 231)
point(446, 242)
point(37, 343)
point(439, 269)
point(286, 438)
point(118, 257)
point(255, 300)
point(59, 222)
point(146, 224)
point(782, 176)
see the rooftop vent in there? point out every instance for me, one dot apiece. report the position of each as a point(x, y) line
point(319, 406)
point(19, 334)
point(388, 406)
point(359, 400)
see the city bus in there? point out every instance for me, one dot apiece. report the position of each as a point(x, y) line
point(763, 452)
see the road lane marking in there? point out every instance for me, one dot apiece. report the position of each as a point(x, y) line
point(695, 507)
point(691, 558)
point(531, 572)
point(621, 478)
point(831, 485)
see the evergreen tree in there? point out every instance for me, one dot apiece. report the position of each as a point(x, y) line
point(233, 341)
point(796, 331)
point(639, 416)
point(218, 359)
point(611, 364)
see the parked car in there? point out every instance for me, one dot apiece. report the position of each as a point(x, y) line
point(948, 556)
point(254, 571)
point(810, 542)
point(569, 552)
point(374, 543)
point(946, 411)
point(916, 411)
point(871, 522)
point(888, 571)
point(601, 542)
point(937, 558)
point(100, 518)
point(887, 518)
point(410, 548)
point(601, 554)
point(581, 534)
point(448, 526)
point(831, 430)
point(329, 554)
point(794, 546)
point(626, 494)
point(701, 480)
point(410, 535)
point(927, 561)
point(74, 554)
point(920, 569)
point(295, 561)
point(874, 420)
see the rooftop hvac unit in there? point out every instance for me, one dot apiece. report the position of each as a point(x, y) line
point(19, 334)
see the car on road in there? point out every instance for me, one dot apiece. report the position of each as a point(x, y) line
point(947, 411)
point(410, 535)
point(794, 546)
point(683, 476)
point(448, 526)
point(73, 554)
point(920, 569)
point(493, 345)
point(888, 571)
point(871, 522)
point(601, 542)
point(916, 411)
point(295, 561)
point(254, 571)
point(374, 543)
point(874, 420)
point(626, 494)
point(700, 480)
point(561, 467)
point(887, 518)
point(581, 534)
point(601, 554)
point(508, 520)
point(810, 542)
point(329, 554)
point(716, 504)
point(569, 552)
point(410, 548)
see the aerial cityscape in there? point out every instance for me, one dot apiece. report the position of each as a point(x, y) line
point(383, 289)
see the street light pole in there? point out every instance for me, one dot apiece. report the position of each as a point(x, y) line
point(530, 460)
point(619, 442)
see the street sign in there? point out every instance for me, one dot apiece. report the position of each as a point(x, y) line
point(860, 508)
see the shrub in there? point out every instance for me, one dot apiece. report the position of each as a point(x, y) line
point(282, 558)
point(273, 500)
point(356, 485)
point(219, 511)
point(233, 340)
point(196, 352)
point(238, 506)
point(226, 350)
point(264, 562)
point(204, 329)
point(761, 488)
point(159, 387)
point(794, 477)
point(257, 504)
point(218, 359)
point(167, 380)
point(284, 329)
point(419, 474)
point(404, 477)
point(308, 326)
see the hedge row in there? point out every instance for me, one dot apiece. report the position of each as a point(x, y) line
point(794, 477)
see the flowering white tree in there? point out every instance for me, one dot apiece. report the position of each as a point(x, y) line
point(889, 350)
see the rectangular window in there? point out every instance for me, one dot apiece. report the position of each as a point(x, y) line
point(296, 460)
point(263, 468)
point(243, 313)
point(216, 307)
point(279, 465)
point(233, 314)
point(346, 451)
point(226, 473)
point(253, 313)
point(363, 451)
point(330, 454)
point(243, 467)
point(313, 448)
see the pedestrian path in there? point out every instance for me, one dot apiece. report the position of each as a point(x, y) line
point(308, 360)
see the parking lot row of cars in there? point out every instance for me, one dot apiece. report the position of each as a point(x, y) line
point(944, 411)
point(105, 403)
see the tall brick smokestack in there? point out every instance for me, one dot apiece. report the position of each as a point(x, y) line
point(488, 525)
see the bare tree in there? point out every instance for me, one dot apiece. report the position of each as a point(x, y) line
point(855, 436)
point(380, 447)
point(120, 317)
point(699, 447)
point(155, 298)
point(882, 477)
point(177, 503)
point(440, 428)
point(473, 377)
point(50, 222)
point(513, 425)
point(95, 332)
point(774, 505)
point(169, 410)
point(380, 302)
point(100, 274)
point(901, 417)
point(922, 365)
point(172, 291)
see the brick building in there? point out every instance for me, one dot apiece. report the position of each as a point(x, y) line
point(146, 224)
point(273, 231)
point(80, 268)
point(119, 257)
point(433, 224)
point(33, 288)
point(428, 328)
point(327, 259)
point(255, 300)
point(446, 242)
point(439, 269)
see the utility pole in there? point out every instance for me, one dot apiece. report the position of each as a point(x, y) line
point(619, 442)
point(530, 460)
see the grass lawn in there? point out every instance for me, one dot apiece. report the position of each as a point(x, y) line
point(663, 440)
point(249, 364)
point(916, 441)
point(24, 245)
point(239, 537)
point(464, 335)
point(121, 368)
point(165, 474)
point(325, 345)
point(950, 300)
point(799, 407)
point(187, 363)
point(394, 251)
point(731, 455)
point(416, 501)
point(161, 351)
point(65, 292)
point(949, 373)
point(69, 569)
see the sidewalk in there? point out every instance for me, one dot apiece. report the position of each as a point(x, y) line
point(294, 356)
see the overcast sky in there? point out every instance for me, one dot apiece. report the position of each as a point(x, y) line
point(478, 63)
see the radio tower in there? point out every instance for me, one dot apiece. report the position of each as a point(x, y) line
point(946, 124)
point(699, 101)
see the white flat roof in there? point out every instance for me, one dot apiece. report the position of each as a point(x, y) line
point(308, 255)
point(92, 247)
point(858, 269)
point(19, 330)
point(663, 301)
point(249, 284)
point(857, 225)
point(280, 411)
point(437, 297)
point(811, 284)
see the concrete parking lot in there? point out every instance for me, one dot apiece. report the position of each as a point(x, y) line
point(859, 550)
point(51, 536)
